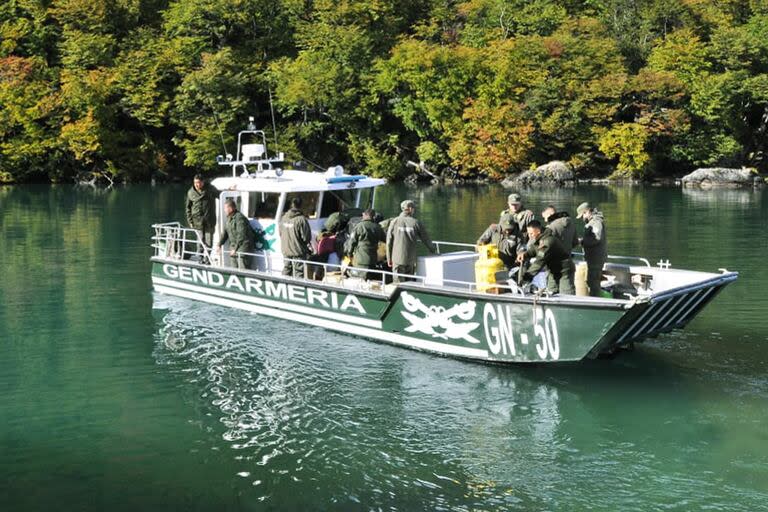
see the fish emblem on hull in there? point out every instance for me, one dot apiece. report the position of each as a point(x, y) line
point(437, 321)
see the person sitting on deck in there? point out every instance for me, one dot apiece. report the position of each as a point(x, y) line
point(295, 239)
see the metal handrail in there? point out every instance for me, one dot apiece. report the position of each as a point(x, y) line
point(452, 244)
point(612, 257)
point(171, 237)
point(421, 280)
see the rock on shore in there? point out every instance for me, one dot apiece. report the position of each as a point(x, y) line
point(554, 173)
point(721, 177)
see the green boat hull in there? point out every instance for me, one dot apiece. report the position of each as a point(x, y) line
point(479, 326)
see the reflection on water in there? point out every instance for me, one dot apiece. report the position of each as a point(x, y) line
point(115, 398)
point(367, 423)
point(747, 197)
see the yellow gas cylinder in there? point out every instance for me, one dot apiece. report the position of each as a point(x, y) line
point(487, 266)
point(381, 252)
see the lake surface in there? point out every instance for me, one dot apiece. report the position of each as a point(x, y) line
point(112, 398)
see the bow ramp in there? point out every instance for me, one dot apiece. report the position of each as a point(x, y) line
point(670, 300)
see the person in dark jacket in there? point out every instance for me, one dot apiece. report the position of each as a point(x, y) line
point(363, 244)
point(506, 237)
point(595, 245)
point(240, 235)
point(201, 208)
point(403, 234)
point(549, 254)
point(519, 215)
point(295, 239)
point(562, 226)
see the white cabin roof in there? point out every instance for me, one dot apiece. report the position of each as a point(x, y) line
point(295, 181)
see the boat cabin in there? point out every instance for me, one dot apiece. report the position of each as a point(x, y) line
point(263, 189)
point(265, 196)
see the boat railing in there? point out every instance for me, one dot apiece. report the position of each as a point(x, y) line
point(440, 244)
point(372, 276)
point(620, 258)
point(173, 241)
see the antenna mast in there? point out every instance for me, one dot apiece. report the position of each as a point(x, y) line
point(272, 111)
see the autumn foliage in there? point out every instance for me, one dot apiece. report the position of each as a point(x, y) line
point(128, 89)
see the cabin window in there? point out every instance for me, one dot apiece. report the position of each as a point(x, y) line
point(366, 198)
point(308, 202)
point(262, 205)
point(337, 200)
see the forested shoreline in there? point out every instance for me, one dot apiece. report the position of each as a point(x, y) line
point(131, 89)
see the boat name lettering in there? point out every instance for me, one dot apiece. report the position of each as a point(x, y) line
point(265, 288)
point(500, 326)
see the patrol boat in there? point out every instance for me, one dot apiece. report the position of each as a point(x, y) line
point(443, 310)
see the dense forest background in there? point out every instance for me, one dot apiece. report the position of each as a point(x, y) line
point(480, 88)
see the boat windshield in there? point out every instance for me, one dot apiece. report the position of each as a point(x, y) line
point(308, 202)
point(336, 201)
point(263, 205)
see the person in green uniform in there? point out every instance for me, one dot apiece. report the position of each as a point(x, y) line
point(595, 245)
point(201, 209)
point(519, 215)
point(562, 226)
point(295, 239)
point(549, 254)
point(506, 237)
point(240, 235)
point(362, 245)
point(403, 234)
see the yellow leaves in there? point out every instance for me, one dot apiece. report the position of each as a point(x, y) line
point(626, 141)
point(81, 89)
point(681, 53)
point(81, 137)
point(492, 139)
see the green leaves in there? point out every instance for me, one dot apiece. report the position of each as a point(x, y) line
point(478, 87)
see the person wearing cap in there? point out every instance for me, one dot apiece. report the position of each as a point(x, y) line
point(200, 208)
point(403, 234)
point(595, 245)
point(562, 226)
point(547, 252)
point(520, 216)
point(240, 235)
point(503, 235)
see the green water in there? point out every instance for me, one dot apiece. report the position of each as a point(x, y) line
point(112, 398)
